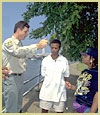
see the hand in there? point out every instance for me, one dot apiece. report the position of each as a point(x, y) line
point(5, 70)
point(68, 85)
point(42, 43)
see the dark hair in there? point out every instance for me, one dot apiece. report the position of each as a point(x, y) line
point(56, 41)
point(21, 25)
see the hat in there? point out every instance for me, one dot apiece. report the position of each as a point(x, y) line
point(92, 52)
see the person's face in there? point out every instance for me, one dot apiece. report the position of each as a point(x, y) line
point(23, 33)
point(86, 59)
point(55, 48)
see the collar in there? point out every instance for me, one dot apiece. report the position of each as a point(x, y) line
point(94, 68)
point(16, 40)
point(57, 59)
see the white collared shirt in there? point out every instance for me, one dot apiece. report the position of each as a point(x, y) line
point(54, 71)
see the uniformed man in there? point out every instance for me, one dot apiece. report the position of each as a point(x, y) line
point(14, 56)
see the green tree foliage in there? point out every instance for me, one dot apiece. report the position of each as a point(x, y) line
point(75, 24)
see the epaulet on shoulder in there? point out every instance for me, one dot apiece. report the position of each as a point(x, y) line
point(8, 42)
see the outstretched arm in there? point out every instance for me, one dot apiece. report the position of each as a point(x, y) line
point(70, 86)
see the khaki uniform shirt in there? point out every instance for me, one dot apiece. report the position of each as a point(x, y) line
point(14, 54)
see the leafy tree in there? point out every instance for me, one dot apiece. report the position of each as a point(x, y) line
point(75, 24)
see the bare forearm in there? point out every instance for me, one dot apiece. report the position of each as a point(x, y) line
point(69, 85)
point(94, 106)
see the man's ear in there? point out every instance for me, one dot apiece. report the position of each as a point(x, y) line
point(18, 30)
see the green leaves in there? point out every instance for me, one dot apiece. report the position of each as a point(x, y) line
point(74, 23)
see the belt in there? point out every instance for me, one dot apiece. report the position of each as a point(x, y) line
point(17, 74)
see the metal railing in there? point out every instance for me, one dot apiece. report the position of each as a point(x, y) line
point(37, 84)
point(25, 82)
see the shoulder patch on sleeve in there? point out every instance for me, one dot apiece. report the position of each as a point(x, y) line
point(9, 43)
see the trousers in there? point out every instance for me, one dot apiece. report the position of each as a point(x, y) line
point(13, 93)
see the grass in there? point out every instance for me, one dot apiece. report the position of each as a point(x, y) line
point(81, 67)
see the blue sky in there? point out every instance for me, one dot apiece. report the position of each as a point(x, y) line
point(11, 14)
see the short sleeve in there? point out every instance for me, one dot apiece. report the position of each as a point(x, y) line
point(66, 73)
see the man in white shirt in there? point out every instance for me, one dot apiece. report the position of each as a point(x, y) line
point(54, 69)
